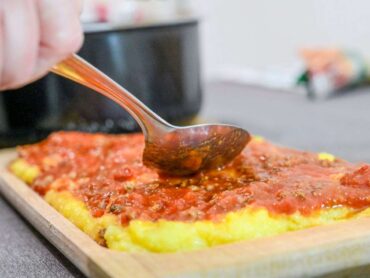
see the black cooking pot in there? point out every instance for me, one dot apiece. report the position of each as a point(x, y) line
point(157, 63)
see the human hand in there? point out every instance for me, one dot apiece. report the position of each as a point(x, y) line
point(34, 36)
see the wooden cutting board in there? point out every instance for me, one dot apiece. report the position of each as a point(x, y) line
point(340, 249)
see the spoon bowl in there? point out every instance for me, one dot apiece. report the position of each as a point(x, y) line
point(187, 150)
point(170, 149)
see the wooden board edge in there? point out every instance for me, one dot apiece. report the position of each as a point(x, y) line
point(78, 247)
point(313, 251)
point(310, 252)
point(49, 223)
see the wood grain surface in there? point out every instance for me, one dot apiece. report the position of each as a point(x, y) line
point(337, 248)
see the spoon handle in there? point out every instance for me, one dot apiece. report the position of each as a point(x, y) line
point(77, 69)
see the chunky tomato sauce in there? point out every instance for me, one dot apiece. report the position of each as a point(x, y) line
point(107, 174)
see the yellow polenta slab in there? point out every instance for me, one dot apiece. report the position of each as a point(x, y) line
point(170, 236)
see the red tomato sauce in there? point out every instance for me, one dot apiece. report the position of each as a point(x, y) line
point(109, 177)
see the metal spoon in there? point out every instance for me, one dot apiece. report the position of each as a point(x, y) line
point(171, 149)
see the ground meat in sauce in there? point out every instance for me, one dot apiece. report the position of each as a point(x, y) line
point(107, 174)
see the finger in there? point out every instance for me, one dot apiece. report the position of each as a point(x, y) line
point(61, 32)
point(20, 42)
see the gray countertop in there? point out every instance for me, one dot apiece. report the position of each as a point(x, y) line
point(340, 125)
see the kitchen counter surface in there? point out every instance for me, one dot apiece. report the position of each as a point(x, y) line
point(339, 125)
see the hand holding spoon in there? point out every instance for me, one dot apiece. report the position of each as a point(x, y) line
point(170, 149)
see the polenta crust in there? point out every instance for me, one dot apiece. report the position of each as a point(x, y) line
point(171, 236)
point(163, 235)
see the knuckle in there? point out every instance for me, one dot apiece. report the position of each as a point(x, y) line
point(66, 42)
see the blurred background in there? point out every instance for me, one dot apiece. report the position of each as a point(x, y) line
point(295, 72)
point(240, 34)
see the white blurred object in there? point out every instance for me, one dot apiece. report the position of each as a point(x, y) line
point(123, 12)
point(185, 7)
point(274, 77)
point(89, 11)
point(126, 12)
point(323, 85)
